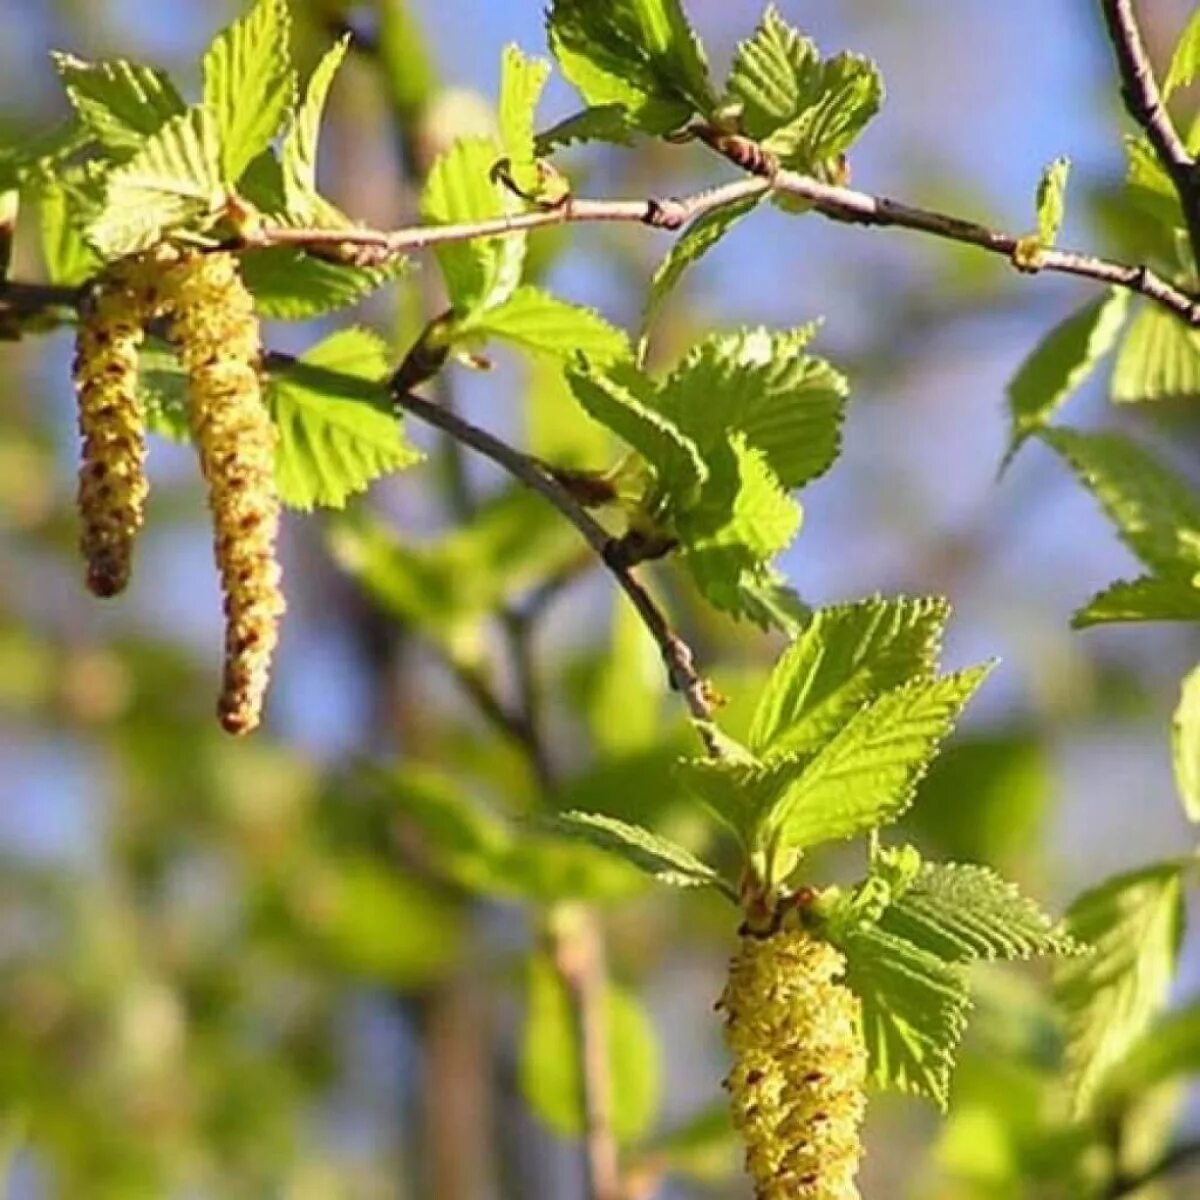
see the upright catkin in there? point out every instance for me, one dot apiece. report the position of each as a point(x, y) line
point(212, 322)
point(799, 1066)
point(112, 480)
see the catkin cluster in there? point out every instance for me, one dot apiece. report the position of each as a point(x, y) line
point(210, 317)
point(799, 1066)
point(112, 479)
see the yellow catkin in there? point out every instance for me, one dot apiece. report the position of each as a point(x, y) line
point(112, 480)
point(212, 322)
point(799, 1066)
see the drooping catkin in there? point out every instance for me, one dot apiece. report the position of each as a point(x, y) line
point(112, 480)
point(799, 1066)
point(212, 322)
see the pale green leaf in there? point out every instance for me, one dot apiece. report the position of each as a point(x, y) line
point(1185, 744)
point(522, 80)
point(69, 259)
point(623, 400)
point(549, 1068)
point(695, 242)
point(846, 656)
point(120, 103)
point(292, 286)
point(1169, 1049)
point(705, 1147)
point(866, 775)
point(1185, 62)
point(40, 157)
point(1159, 359)
point(600, 123)
point(1156, 511)
point(541, 323)
point(1133, 924)
point(766, 598)
point(914, 1011)
point(1051, 201)
point(482, 272)
point(623, 696)
point(1064, 358)
point(1149, 185)
point(333, 445)
point(249, 84)
point(639, 54)
point(961, 913)
point(787, 404)
point(298, 158)
point(1150, 598)
point(650, 852)
point(174, 179)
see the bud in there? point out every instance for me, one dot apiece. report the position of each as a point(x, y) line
point(212, 322)
point(112, 479)
point(799, 1066)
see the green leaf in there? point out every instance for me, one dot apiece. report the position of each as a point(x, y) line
point(736, 786)
point(1169, 1049)
point(650, 852)
point(601, 123)
point(69, 259)
point(802, 109)
point(541, 323)
point(1185, 744)
point(742, 519)
point(120, 103)
point(299, 152)
point(249, 84)
point(549, 1068)
point(333, 445)
point(1156, 511)
point(39, 157)
point(1185, 62)
point(1174, 598)
point(623, 400)
point(522, 81)
point(787, 404)
point(173, 180)
point(1062, 361)
point(163, 388)
point(482, 272)
point(639, 54)
point(1051, 201)
point(1159, 359)
point(866, 775)
point(705, 1147)
point(847, 655)
point(292, 286)
point(914, 1010)
point(691, 245)
point(1134, 924)
point(961, 913)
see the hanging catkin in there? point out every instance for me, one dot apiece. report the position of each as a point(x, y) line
point(112, 480)
point(799, 1066)
point(212, 322)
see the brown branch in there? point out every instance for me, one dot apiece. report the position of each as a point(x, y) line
point(1145, 104)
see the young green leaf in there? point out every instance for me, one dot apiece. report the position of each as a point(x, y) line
point(249, 84)
point(550, 1069)
point(522, 80)
point(1156, 511)
point(866, 774)
point(482, 272)
point(172, 180)
point(961, 913)
point(914, 1010)
point(298, 158)
point(292, 286)
point(623, 400)
point(691, 245)
point(1133, 923)
point(332, 446)
point(1159, 359)
point(1064, 358)
point(1169, 1049)
point(804, 110)
point(120, 103)
point(849, 654)
point(787, 404)
point(650, 852)
point(600, 123)
point(1185, 744)
point(1051, 201)
point(541, 323)
point(1185, 62)
point(69, 259)
point(1172, 598)
point(639, 54)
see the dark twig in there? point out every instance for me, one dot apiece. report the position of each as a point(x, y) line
point(1181, 1156)
point(1145, 104)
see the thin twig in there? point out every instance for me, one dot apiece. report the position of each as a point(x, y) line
point(1181, 1156)
point(1145, 104)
